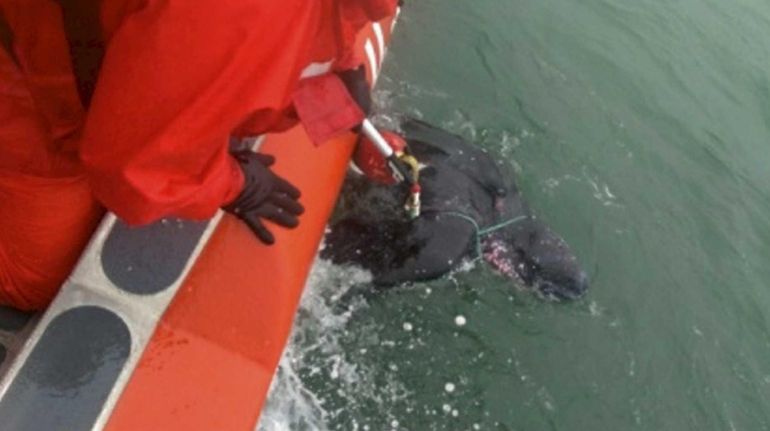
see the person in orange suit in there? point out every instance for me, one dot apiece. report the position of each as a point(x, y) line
point(129, 105)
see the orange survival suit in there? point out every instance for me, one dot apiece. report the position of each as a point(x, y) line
point(176, 78)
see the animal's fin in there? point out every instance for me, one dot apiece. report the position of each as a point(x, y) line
point(371, 245)
point(436, 245)
point(399, 252)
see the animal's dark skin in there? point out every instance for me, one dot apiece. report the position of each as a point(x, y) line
point(375, 233)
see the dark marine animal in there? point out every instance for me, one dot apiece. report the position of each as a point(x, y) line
point(464, 193)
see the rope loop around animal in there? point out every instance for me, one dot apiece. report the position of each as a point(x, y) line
point(482, 232)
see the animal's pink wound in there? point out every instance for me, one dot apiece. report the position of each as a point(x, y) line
point(496, 253)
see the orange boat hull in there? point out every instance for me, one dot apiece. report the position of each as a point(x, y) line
point(178, 325)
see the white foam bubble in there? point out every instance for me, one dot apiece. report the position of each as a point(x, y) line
point(460, 320)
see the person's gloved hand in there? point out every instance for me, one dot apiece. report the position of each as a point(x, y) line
point(265, 195)
point(358, 87)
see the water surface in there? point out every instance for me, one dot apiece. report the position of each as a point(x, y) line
point(639, 130)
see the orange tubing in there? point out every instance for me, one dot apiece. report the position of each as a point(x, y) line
point(211, 360)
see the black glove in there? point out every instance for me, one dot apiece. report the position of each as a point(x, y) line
point(358, 87)
point(264, 195)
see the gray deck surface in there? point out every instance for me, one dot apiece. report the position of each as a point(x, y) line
point(69, 373)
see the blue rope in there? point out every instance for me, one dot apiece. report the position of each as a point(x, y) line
point(482, 232)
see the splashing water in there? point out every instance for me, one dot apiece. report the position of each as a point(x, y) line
point(290, 404)
point(315, 353)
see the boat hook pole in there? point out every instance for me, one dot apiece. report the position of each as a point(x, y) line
point(405, 168)
point(399, 169)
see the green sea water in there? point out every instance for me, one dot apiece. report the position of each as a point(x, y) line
point(640, 131)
